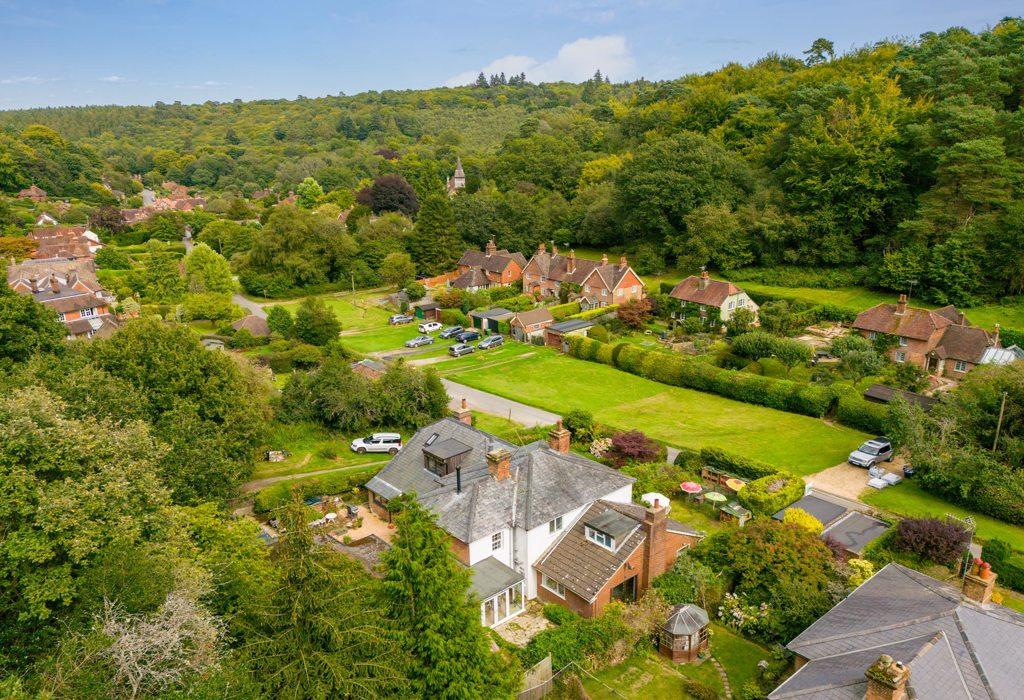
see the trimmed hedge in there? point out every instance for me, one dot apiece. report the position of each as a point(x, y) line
point(595, 313)
point(454, 317)
point(277, 495)
point(814, 400)
point(770, 494)
point(723, 461)
point(564, 311)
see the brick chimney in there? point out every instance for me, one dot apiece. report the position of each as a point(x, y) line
point(558, 438)
point(622, 261)
point(704, 279)
point(604, 259)
point(655, 527)
point(554, 248)
point(54, 284)
point(887, 679)
point(463, 413)
point(979, 583)
point(499, 464)
point(570, 265)
point(901, 305)
point(491, 248)
point(541, 248)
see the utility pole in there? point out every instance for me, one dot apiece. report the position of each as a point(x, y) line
point(353, 283)
point(999, 425)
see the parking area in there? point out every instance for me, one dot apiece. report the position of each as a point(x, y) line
point(848, 481)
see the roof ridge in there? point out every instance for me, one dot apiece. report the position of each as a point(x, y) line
point(928, 647)
point(974, 655)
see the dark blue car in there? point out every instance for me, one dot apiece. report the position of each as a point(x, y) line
point(466, 336)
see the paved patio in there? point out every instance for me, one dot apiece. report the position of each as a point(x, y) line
point(372, 525)
point(525, 626)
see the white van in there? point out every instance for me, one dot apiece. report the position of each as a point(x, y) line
point(378, 442)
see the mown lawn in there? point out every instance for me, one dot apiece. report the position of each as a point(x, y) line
point(910, 500)
point(312, 448)
point(673, 415)
point(650, 675)
point(360, 310)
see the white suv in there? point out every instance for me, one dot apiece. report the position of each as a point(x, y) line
point(429, 327)
point(378, 442)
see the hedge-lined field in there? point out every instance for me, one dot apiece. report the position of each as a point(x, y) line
point(672, 415)
point(845, 403)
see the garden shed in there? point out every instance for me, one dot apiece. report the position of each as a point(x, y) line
point(684, 634)
point(490, 319)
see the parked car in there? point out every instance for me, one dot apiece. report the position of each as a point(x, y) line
point(460, 349)
point(399, 319)
point(378, 442)
point(450, 332)
point(493, 341)
point(419, 340)
point(872, 452)
point(429, 327)
point(468, 335)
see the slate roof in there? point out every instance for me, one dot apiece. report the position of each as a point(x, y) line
point(852, 529)
point(826, 511)
point(714, 294)
point(490, 576)
point(543, 483)
point(497, 313)
point(582, 566)
point(954, 648)
point(573, 324)
point(611, 522)
point(497, 262)
point(915, 323)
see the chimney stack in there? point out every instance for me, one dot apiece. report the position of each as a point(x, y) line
point(704, 279)
point(554, 248)
point(463, 413)
point(887, 679)
point(604, 259)
point(570, 265)
point(491, 248)
point(541, 248)
point(979, 583)
point(558, 438)
point(499, 464)
point(901, 305)
point(995, 337)
point(656, 528)
point(622, 261)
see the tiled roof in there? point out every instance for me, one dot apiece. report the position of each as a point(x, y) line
point(254, 324)
point(583, 566)
point(556, 267)
point(714, 294)
point(915, 323)
point(954, 648)
point(573, 324)
point(855, 531)
point(497, 313)
point(470, 279)
point(543, 483)
point(496, 262)
point(881, 392)
point(533, 317)
point(967, 343)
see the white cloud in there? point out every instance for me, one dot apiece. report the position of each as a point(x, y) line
point(26, 80)
point(113, 79)
point(574, 62)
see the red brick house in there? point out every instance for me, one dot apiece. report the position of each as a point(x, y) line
point(703, 295)
point(941, 342)
point(36, 194)
point(600, 283)
point(490, 268)
point(527, 325)
point(532, 521)
point(79, 303)
point(70, 242)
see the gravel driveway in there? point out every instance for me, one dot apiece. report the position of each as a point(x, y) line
point(847, 480)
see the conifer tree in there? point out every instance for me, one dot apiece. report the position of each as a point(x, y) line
point(435, 245)
point(427, 605)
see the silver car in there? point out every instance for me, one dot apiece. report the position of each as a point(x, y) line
point(419, 340)
point(872, 452)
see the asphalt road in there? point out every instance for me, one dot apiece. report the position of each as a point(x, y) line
point(497, 405)
point(251, 306)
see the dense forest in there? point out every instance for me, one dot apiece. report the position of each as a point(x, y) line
point(893, 163)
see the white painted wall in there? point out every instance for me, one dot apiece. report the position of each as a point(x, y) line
point(481, 549)
point(725, 313)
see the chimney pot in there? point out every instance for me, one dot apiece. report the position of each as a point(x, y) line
point(541, 248)
point(464, 415)
point(559, 438)
point(979, 583)
point(887, 679)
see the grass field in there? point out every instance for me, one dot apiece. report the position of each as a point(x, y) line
point(910, 500)
point(313, 448)
point(675, 416)
point(650, 675)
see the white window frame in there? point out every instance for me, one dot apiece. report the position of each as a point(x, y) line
point(872, 335)
point(960, 366)
point(60, 317)
point(496, 541)
point(601, 538)
point(903, 342)
point(633, 289)
point(901, 357)
point(550, 584)
point(604, 292)
point(586, 289)
point(554, 525)
point(87, 313)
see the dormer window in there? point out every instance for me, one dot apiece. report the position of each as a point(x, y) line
point(602, 538)
point(444, 457)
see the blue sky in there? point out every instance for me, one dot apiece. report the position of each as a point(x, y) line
point(56, 52)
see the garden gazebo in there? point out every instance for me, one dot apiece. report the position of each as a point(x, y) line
point(684, 634)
